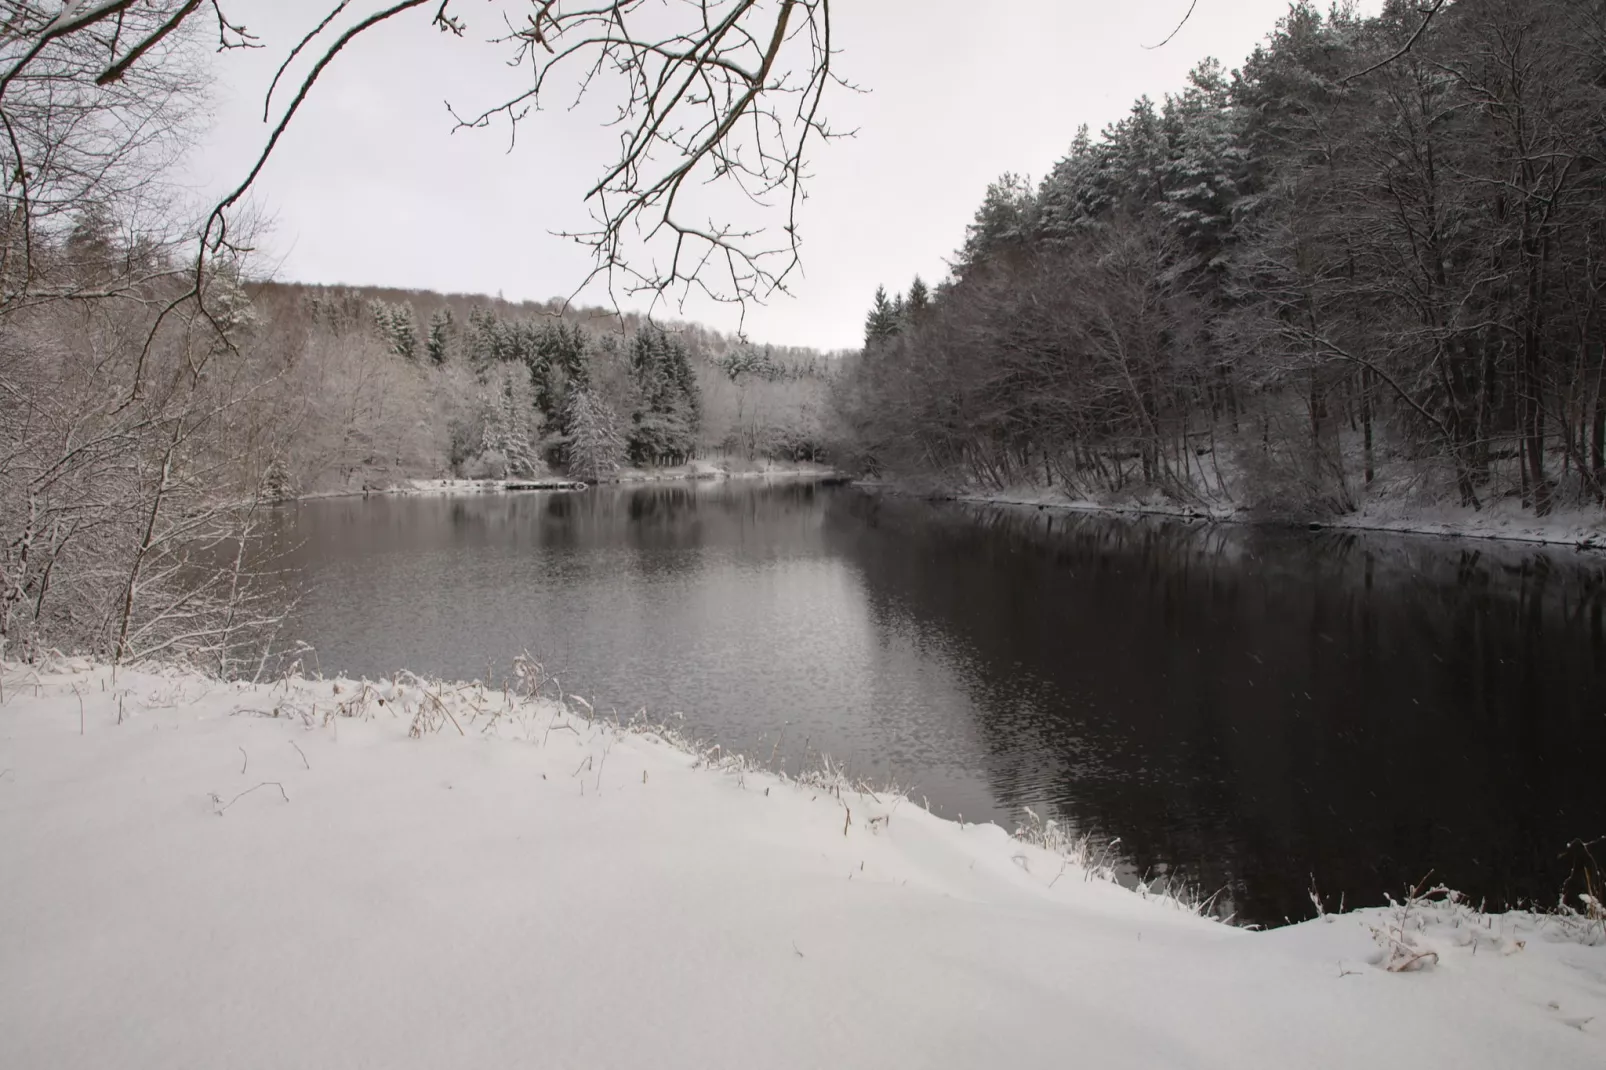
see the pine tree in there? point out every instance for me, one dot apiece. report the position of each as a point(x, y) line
point(1004, 223)
point(1203, 175)
point(1068, 198)
point(277, 483)
point(593, 446)
point(882, 322)
point(404, 331)
point(396, 327)
point(919, 298)
point(440, 329)
point(668, 413)
point(482, 340)
point(507, 413)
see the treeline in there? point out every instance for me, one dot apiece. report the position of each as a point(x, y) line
point(389, 385)
point(142, 431)
point(1371, 260)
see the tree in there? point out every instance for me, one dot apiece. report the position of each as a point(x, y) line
point(145, 413)
point(1004, 223)
point(882, 322)
point(919, 298)
point(728, 90)
point(397, 327)
point(484, 338)
point(593, 447)
point(440, 331)
point(1376, 245)
point(667, 415)
point(77, 148)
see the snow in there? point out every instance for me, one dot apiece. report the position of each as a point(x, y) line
point(695, 470)
point(1568, 525)
point(205, 874)
point(1507, 520)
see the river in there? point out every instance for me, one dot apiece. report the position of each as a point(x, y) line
point(1243, 710)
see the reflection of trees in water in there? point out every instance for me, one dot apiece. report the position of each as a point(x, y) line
point(1252, 706)
point(677, 516)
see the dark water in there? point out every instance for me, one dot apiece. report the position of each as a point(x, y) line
point(1244, 709)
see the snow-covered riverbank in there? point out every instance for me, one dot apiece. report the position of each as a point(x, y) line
point(399, 875)
point(1580, 527)
point(695, 470)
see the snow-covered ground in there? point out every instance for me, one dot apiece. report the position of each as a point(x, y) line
point(693, 470)
point(728, 468)
point(1568, 525)
point(407, 875)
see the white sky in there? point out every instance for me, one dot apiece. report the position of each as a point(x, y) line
point(370, 186)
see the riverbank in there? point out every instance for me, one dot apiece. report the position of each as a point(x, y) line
point(1506, 521)
point(409, 874)
point(695, 470)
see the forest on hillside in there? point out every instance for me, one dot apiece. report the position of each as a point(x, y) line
point(374, 386)
point(1370, 262)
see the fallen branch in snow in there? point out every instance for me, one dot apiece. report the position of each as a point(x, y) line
point(245, 760)
point(247, 791)
point(302, 753)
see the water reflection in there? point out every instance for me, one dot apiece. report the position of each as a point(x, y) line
point(1256, 708)
point(1244, 708)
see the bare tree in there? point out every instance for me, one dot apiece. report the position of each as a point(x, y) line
point(83, 155)
point(140, 425)
point(728, 91)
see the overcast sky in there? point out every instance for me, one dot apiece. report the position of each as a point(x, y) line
point(370, 186)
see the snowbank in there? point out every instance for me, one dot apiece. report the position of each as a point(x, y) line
point(199, 874)
point(1505, 520)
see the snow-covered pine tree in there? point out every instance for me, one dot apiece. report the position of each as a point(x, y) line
point(919, 298)
point(396, 326)
point(482, 343)
point(593, 445)
point(1004, 223)
point(510, 425)
point(440, 331)
point(1202, 177)
point(1068, 198)
point(668, 415)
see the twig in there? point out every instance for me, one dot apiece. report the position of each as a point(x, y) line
point(247, 791)
point(1427, 17)
point(1176, 31)
point(80, 709)
point(245, 760)
point(302, 753)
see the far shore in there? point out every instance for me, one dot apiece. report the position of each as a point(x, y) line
point(1582, 529)
point(695, 470)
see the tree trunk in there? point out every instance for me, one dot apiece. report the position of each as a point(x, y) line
point(1597, 444)
point(1366, 421)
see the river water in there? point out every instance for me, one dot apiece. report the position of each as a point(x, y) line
point(1243, 710)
